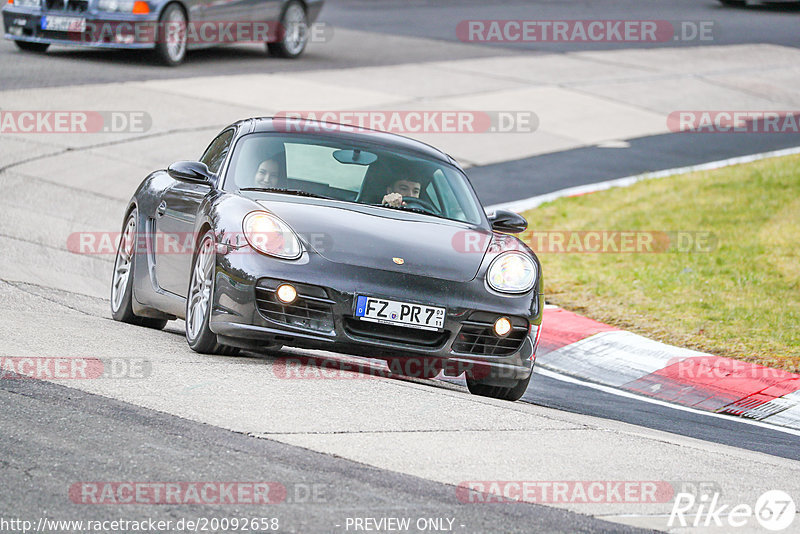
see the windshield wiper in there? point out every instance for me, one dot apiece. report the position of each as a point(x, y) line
point(297, 192)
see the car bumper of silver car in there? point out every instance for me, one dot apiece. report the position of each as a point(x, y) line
point(94, 29)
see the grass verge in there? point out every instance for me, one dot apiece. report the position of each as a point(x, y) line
point(729, 285)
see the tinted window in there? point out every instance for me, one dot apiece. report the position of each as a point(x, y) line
point(217, 151)
point(315, 163)
point(352, 171)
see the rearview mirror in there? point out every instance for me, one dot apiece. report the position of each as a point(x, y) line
point(508, 222)
point(355, 157)
point(190, 171)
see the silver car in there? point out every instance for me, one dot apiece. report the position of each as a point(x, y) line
point(167, 27)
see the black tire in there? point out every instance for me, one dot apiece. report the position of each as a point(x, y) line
point(200, 337)
point(169, 51)
point(122, 286)
point(290, 45)
point(733, 3)
point(510, 393)
point(39, 48)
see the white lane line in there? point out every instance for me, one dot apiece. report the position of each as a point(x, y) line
point(532, 202)
point(622, 393)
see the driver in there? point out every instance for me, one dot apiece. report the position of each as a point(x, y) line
point(399, 189)
point(268, 175)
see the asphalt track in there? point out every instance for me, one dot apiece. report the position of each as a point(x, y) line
point(389, 32)
point(554, 393)
point(54, 436)
point(438, 19)
point(42, 455)
point(547, 173)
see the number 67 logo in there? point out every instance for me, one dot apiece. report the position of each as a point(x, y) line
point(775, 510)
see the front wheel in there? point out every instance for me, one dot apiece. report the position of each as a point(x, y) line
point(292, 32)
point(199, 301)
point(171, 36)
point(39, 48)
point(512, 393)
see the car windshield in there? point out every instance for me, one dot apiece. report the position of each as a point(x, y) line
point(364, 173)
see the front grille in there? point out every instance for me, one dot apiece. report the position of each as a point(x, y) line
point(312, 310)
point(477, 336)
point(398, 334)
point(67, 36)
point(78, 6)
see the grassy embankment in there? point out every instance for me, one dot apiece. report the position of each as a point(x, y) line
point(740, 300)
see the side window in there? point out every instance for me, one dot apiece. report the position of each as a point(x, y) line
point(450, 203)
point(217, 151)
point(431, 192)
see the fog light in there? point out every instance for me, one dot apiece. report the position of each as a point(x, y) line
point(502, 327)
point(286, 293)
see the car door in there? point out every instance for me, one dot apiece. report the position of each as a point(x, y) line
point(266, 10)
point(222, 14)
point(175, 221)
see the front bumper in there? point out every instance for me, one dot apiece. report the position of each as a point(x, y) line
point(242, 278)
point(103, 30)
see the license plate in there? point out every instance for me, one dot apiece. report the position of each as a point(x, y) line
point(64, 24)
point(399, 313)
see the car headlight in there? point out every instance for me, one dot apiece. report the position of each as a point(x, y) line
point(121, 6)
point(28, 3)
point(268, 234)
point(511, 272)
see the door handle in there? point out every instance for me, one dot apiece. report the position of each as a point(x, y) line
point(161, 208)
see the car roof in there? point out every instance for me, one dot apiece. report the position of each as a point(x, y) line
point(342, 131)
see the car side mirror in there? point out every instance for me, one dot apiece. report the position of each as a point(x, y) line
point(190, 171)
point(508, 222)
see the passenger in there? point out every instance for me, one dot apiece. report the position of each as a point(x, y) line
point(269, 175)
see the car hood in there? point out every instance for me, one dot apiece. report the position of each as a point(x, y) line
point(375, 240)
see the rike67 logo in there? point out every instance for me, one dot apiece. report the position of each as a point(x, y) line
point(774, 510)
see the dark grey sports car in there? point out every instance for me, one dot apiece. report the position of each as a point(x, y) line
point(316, 235)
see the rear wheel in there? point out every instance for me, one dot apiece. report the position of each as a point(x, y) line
point(733, 3)
point(199, 301)
point(122, 279)
point(171, 36)
point(292, 32)
point(513, 392)
point(40, 48)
